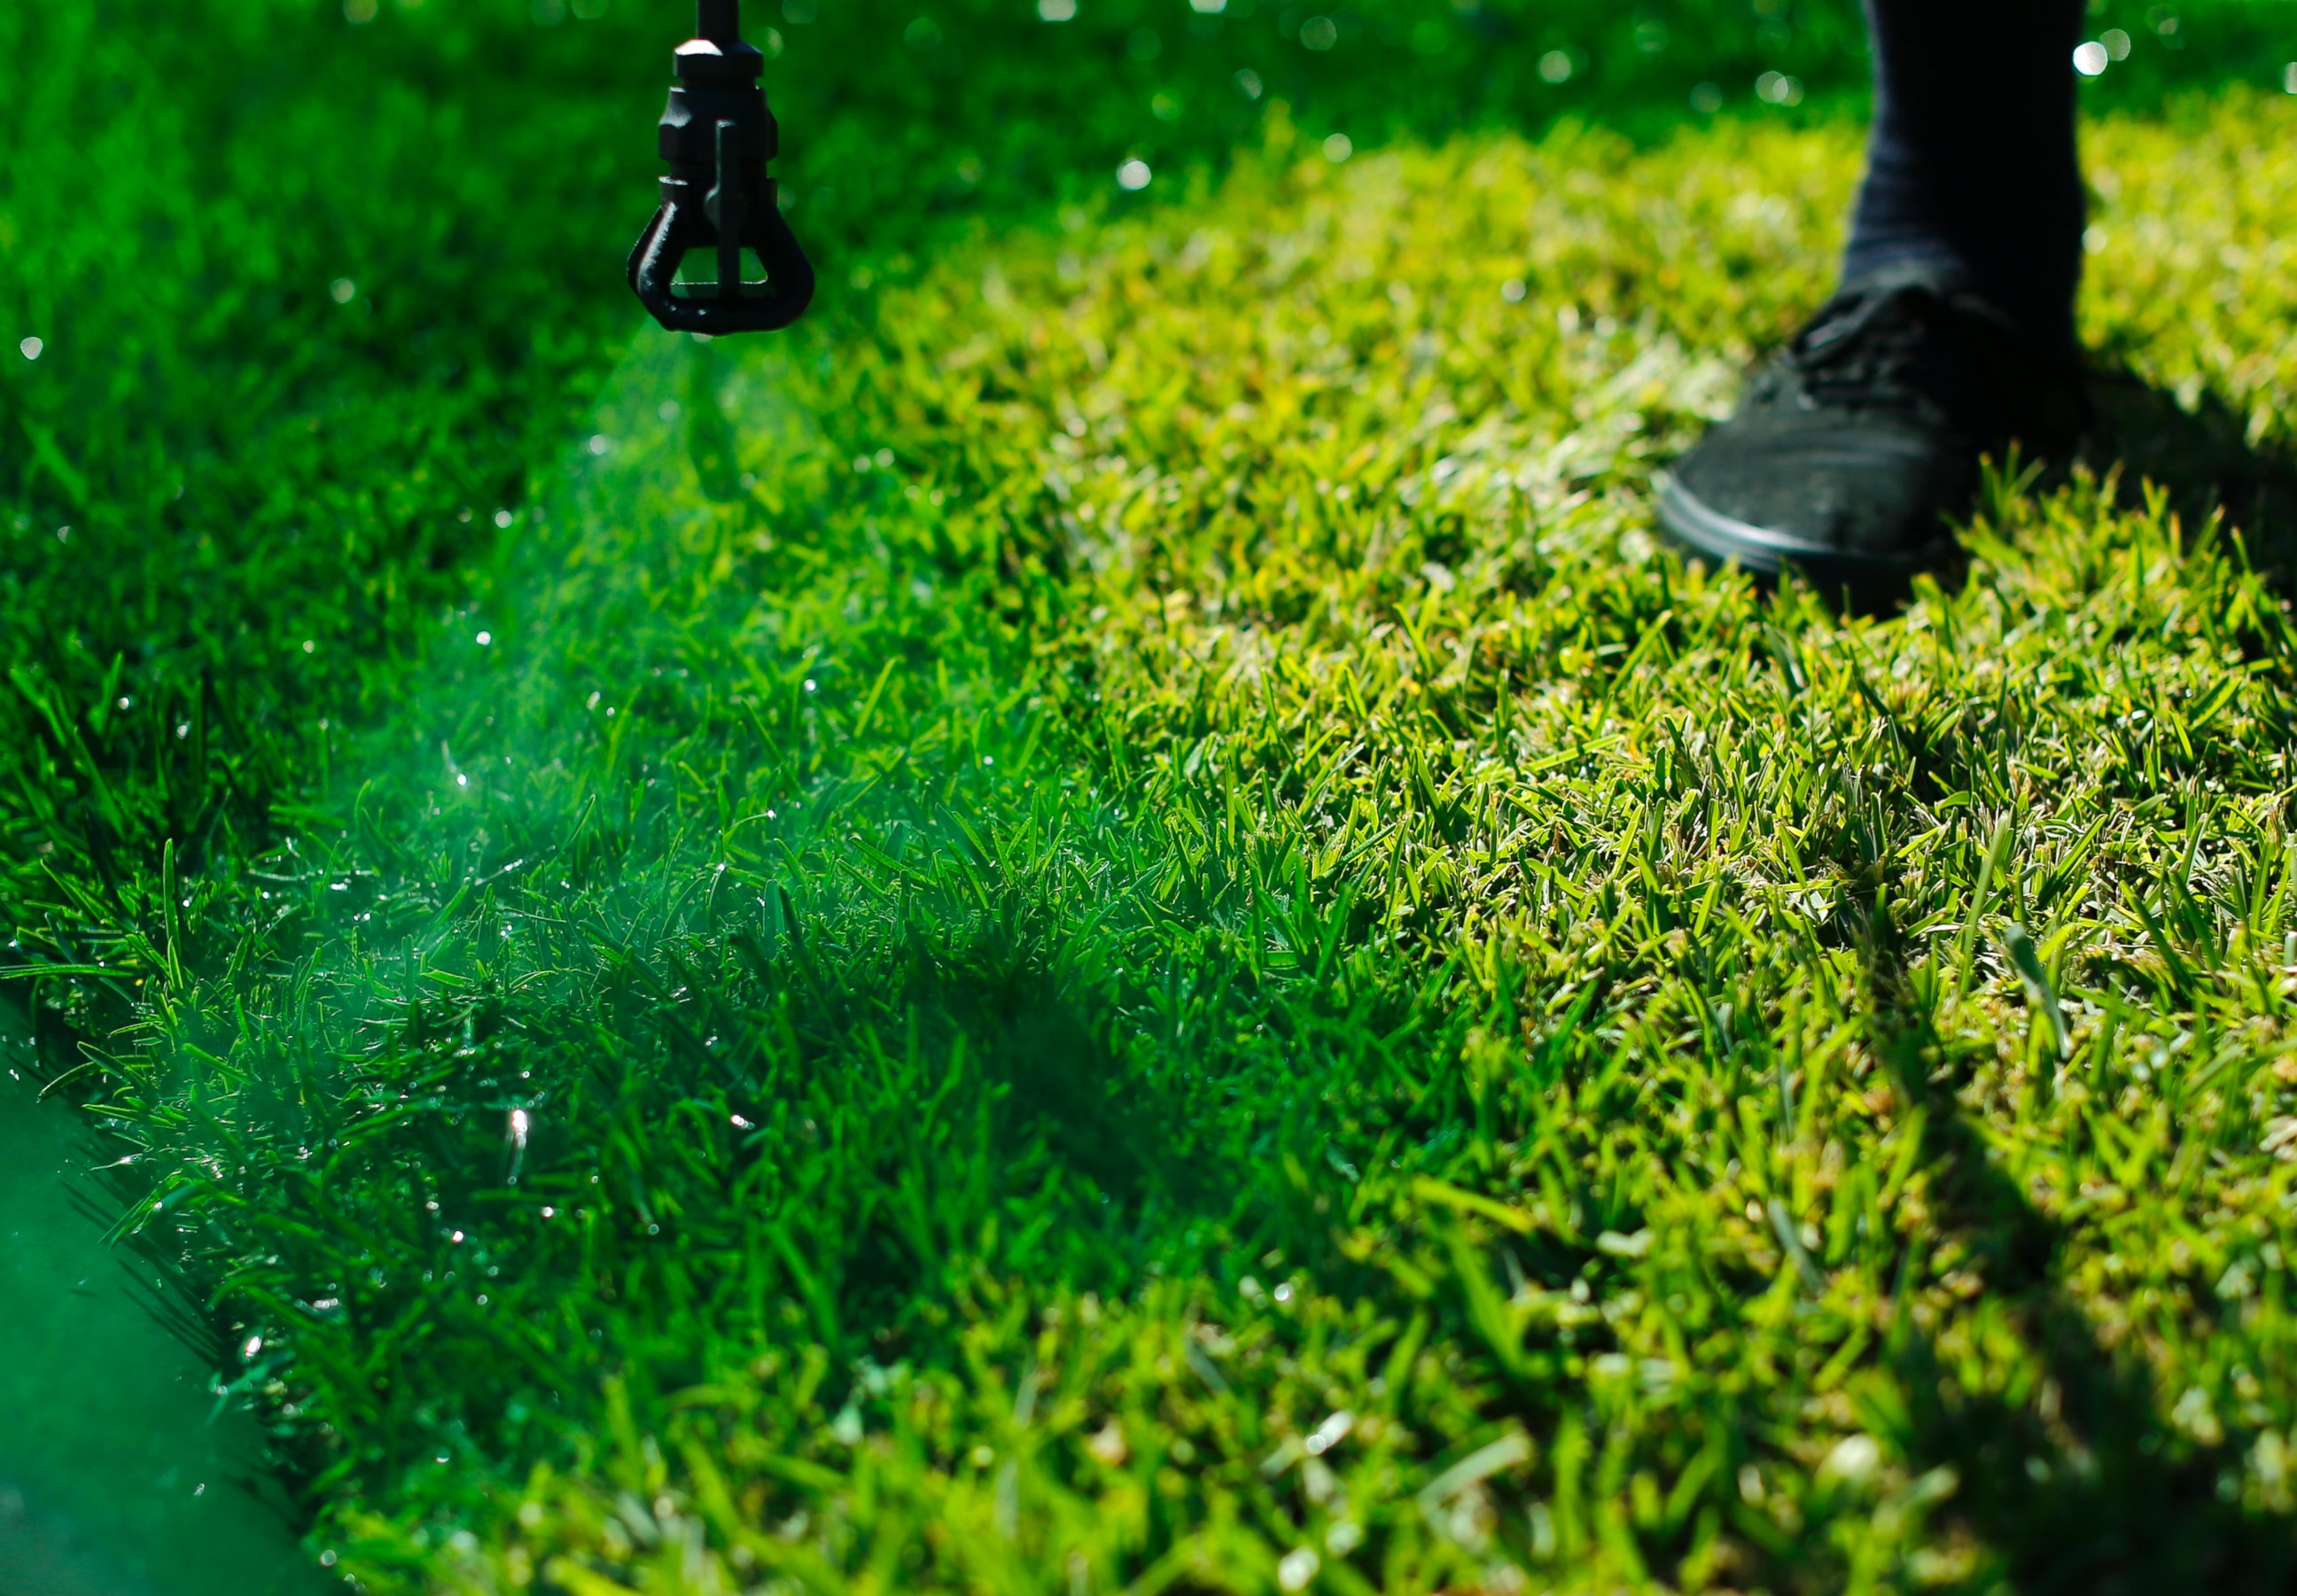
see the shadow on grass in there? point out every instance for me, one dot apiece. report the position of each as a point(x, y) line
point(2197, 449)
point(2083, 1489)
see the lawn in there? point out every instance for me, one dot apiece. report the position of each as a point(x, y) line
point(1106, 922)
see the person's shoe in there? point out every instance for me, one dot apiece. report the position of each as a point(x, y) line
point(1854, 446)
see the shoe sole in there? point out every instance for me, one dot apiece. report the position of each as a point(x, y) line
point(1864, 580)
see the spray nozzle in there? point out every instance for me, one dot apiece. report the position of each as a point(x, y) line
point(718, 135)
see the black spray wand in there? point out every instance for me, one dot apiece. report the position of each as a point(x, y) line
point(717, 135)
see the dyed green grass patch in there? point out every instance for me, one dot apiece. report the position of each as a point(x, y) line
point(1131, 935)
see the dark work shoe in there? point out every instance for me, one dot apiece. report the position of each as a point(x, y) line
point(1856, 444)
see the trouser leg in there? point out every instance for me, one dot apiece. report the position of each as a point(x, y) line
point(1971, 164)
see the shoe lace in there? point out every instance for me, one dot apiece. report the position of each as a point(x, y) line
point(1880, 348)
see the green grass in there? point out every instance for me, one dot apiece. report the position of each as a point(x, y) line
point(1105, 923)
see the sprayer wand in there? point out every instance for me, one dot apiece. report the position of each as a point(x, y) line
point(718, 135)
